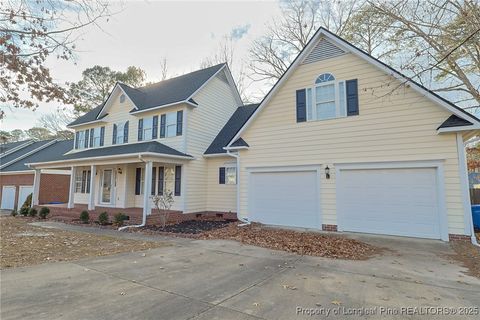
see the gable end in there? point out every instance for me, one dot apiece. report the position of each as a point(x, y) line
point(322, 51)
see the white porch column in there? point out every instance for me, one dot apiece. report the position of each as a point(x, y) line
point(147, 188)
point(36, 187)
point(71, 191)
point(91, 196)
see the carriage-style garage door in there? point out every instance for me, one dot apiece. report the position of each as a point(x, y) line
point(285, 198)
point(401, 201)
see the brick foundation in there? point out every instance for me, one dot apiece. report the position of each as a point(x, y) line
point(61, 213)
point(329, 227)
point(459, 237)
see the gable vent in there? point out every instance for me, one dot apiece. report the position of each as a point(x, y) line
point(322, 51)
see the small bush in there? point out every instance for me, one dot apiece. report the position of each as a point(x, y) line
point(119, 218)
point(28, 201)
point(84, 216)
point(32, 212)
point(44, 212)
point(24, 211)
point(13, 213)
point(103, 218)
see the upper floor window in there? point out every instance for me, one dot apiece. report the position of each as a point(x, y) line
point(120, 133)
point(97, 136)
point(89, 138)
point(171, 124)
point(327, 99)
point(80, 143)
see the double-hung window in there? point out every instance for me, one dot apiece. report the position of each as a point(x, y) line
point(120, 132)
point(96, 137)
point(327, 99)
point(82, 181)
point(171, 124)
point(81, 139)
point(147, 128)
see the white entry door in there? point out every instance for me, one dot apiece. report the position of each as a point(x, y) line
point(107, 190)
point(285, 198)
point(8, 197)
point(401, 201)
point(23, 193)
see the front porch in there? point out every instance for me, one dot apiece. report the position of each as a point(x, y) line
point(60, 212)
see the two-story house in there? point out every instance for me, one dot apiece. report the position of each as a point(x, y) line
point(145, 141)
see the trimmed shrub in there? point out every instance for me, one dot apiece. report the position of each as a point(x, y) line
point(119, 218)
point(84, 216)
point(28, 201)
point(13, 213)
point(103, 218)
point(32, 212)
point(24, 211)
point(44, 212)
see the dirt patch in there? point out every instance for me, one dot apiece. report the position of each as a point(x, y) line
point(23, 244)
point(468, 255)
point(190, 227)
point(303, 243)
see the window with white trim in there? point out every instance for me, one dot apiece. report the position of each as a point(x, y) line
point(147, 128)
point(120, 132)
point(82, 181)
point(326, 99)
point(230, 175)
point(171, 124)
point(81, 139)
point(96, 137)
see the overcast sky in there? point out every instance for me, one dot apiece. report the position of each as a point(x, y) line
point(146, 31)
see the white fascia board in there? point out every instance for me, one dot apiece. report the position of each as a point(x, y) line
point(460, 128)
point(7, 173)
point(109, 99)
point(215, 155)
point(86, 123)
point(23, 145)
point(349, 48)
point(127, 155)
point(165, 106)
point(235, 148)
point(232, 84)
point(23, 156)
point(206, 82)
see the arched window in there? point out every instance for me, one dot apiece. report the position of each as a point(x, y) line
point(326, 100)
point(324, 77)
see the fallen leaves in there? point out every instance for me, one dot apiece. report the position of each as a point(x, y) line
point(304, 243)
point(468, 255)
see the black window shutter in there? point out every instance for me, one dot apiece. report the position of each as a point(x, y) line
point(88, 180)
point(161, 178)
point(154, 180)
point(221, 175)
point(91, 137)
point(178, 179)
point(352, 97)
point(138, 180)
point(84, 180)
point(163, 120)
point(86, 138)
point(155, 127)
point(102, 136)
point(179, 122)
point(114, 134)
point(125, 133)
point(301, 106)
point(77, 136)
point(140, 129)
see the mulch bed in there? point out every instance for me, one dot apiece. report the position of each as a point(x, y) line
point(190, 227)
point(468, 255)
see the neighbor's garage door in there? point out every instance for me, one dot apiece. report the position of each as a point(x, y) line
point(8, 197)
point(285, 198)
point(389, 201)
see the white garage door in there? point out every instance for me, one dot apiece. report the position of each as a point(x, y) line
point(23, 193)
point(286, 198)
point(8, 197)
point(400, 202)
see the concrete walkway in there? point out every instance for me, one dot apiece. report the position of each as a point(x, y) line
point(197, 279)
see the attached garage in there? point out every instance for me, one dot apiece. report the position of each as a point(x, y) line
point(403, 201)
point(8, 197)
point(285, 196)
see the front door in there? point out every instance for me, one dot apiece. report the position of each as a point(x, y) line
point(107, 186)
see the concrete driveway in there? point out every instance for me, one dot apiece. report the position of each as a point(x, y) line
point(195, 279)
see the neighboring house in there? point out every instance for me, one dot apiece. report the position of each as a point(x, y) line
point(150, 140)
point(17, 179)
point(344, 142)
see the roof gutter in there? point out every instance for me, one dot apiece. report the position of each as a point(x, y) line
point(165, 106)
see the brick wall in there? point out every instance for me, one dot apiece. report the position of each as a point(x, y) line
point(53, 187)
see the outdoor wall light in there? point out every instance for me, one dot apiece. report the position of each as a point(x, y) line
point(119, 170)
point(327, 172)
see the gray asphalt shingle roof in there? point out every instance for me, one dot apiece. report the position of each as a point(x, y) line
point(236, 121)
point(50, 153)
point(151, 146)
point(4, 147)
point(161, 93)
point(454, 121)
point(21, 152)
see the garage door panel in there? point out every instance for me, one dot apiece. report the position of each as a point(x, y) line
point(389, 201)
point(8, 197)
point(287, 198)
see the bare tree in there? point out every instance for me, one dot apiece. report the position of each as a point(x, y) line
point(164, 68)
point(163, 203)
point(57, 121)
point(32, 31)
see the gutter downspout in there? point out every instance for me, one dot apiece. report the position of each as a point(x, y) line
point(244, 220)
point(144, 216)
